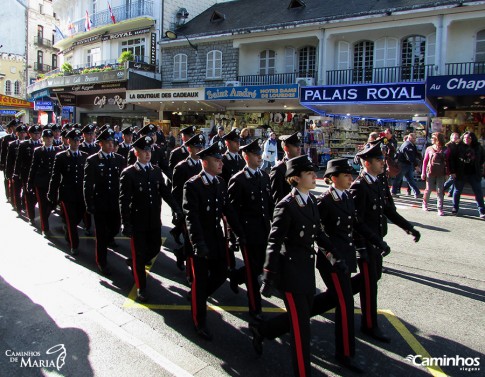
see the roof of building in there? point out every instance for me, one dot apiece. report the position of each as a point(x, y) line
point(244, 15)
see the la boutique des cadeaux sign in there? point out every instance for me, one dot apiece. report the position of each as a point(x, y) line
point(402, 92)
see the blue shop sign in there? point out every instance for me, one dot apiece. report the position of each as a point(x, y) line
point(43, 106)
point(252, 92)
point(455, 85)
point(373, 93)
point(8, 112)
point(40, 94)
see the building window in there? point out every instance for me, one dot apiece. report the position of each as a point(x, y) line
point(267, 59)
point(214, 64)
point(413, 55)
point(307, 61)
point(40, 32)
point(93, 56)
point(40, 58)
point(290, 60)
point(363, 62)
point(8, 88)
point(137, 47)
point(54, 61)
point(480, 53)
point(180, 67)
point(16, 88)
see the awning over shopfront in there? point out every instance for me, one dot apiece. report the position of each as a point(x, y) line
point(399, 101)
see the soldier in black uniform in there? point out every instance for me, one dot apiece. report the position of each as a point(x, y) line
point(250, 195)
point(296, 226)
point(39, 175)
point(56, 131)
point(232, 160)
point(185, 170)
point(101, 195)
point(10, 128)
point(14, 180)
point(22, 168)
point(157, 157)
point(181, 153)
point(205, 202)
point(142, 188)
point(66, 187)
point(373, 208)
point(64, 140)
point(126, 145)
point(279, 187)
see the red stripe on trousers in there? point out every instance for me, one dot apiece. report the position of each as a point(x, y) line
point(64, 209)
point(343, 312)
point(194, 294)
point(368, 293)
point(134, 261)
point(249, 279)
point(12, 188)
point(27, 205)
point(42, 220)
point(296, 333)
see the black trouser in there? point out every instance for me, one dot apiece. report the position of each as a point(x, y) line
point(7, 187)
point(340, 290)
point(30, 201)
point(145, 245)
point(15, 190)
point(45, 207)
point(254, 257)
point(298, 307)
point(87, 221)
point(73, 214)
point(207, 276)
point(107, 225)
point(370, 272)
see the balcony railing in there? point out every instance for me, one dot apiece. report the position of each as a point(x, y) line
point(409, 73)
point(42, 41)
point(470, 68)
point(42, 67)
point(135, 9)
point(277, 78)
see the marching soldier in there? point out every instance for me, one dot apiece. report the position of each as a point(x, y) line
point(232, 160)
point(279, 186)
point(22, 168)
point(250, 195)
point(56, 131)
point(205, 202)
point(101, 195)
point(14, 180)
point(65, 141)
point(89, 145)
point(66, 187)
point(142, 189)
point(10, 128)
point(185, 170)
point(126, 145)
point(181, 153)
point(39, 175)
point(373, 209)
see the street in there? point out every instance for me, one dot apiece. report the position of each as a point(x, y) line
point(431, 302)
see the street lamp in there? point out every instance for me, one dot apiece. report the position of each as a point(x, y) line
point(172, 36)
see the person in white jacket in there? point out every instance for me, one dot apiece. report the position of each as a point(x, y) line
point(270, 151)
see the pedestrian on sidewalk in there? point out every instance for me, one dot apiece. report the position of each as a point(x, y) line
point(450, 147)
point(407, 160)
point(434, 171)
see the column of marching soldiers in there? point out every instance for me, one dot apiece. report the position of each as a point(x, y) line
point(222, 202)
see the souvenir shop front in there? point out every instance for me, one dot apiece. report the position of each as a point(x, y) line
point(346, 115)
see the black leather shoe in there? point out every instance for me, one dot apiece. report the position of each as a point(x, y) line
point(47, 233)
point(104, 270)
point(376, 334)
point(349, 363)
point(189, 296)
point(258, 316)
point(257, 338)
point(203, 332)
point(233, 282)
point(88, 232)
point(176, 235)
point(179, 255)
point(74, 252)
point(113, 244)
point(141, 295)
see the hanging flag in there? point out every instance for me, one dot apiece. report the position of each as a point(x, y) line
point(111, 15)
point(87, 22)
point(59, 35)
point(70, 27)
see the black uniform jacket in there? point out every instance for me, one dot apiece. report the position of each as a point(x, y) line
point(177, 155)
point(339, 220)
point(102, 182)
point(41, 168)
point(90, 149)
point(279, 187)
point(290, 254)
point(251, 198)
point(4, 149)
point(157, 159)
point(231, 166)
point(12, 151)
point(141, 195)
point(184, 170)
point(374, 207)
point(123, 150)
point(24, 159)
point(204, 204)
point(67, 177)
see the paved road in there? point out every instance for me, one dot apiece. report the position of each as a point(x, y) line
point(431, 301)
